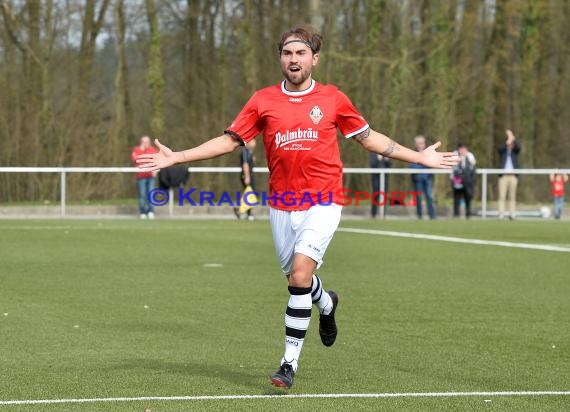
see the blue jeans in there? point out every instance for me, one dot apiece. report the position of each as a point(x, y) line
point(424, 185)
point(144, 186)
point(558, 202)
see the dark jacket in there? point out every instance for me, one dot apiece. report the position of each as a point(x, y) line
point(514, 154)
point(467, 177)
point(375, 162)
point(173, 177)
point(248, 157)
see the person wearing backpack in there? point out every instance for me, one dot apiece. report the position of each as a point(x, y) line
point(463, 180)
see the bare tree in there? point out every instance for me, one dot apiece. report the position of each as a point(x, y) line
point(155, 76)
point(77, 80)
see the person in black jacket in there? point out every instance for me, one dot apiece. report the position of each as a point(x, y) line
point(463, 180)
point(247, 159)
point(379, 161)
point(509, 156)
point(173, 177)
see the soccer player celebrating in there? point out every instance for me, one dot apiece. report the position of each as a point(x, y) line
point(298, 119)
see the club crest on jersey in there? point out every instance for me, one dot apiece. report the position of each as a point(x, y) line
point(316, 114)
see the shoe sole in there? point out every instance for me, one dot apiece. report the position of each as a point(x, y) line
point(279, 383)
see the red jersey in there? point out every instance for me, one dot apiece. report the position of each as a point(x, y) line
point(558, 188)
point(300, 138)
point(138, 151)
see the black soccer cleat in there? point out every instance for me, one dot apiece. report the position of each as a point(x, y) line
point(283, 378)
point(327, 324)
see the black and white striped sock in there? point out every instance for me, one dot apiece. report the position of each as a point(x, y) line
point(297, 318)
point(320, 296)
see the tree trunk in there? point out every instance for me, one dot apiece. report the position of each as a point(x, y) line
point(123, 109)
point(155, 78)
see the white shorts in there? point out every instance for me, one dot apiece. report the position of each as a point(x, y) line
point(308, 232)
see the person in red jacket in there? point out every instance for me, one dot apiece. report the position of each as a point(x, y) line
point(146, 181)
point(558, 181)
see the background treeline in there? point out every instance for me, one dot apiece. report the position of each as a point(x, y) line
point(81, 80)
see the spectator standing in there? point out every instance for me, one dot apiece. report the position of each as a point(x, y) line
point(378, 161)
point(558, 181)
point(508, 181)
point(423, 182)
point(247, 160)
point(463, 180)
point(146, 181)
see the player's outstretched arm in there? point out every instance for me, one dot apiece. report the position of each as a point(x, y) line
point(381, 144)
point(166, 157)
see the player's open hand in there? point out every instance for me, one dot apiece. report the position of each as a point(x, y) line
point(444, 160)
point(156, 161)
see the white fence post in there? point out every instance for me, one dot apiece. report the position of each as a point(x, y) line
point(386, 195)
point(170, 202)
point(62, 194)
point(484, 194)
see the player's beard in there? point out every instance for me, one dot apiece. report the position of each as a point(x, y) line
point(296, 78)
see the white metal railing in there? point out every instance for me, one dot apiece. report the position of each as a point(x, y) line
point(63, 171)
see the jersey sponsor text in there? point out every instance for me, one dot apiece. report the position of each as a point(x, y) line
point(288, 137)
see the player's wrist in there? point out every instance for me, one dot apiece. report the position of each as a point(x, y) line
point(180, 157)
point(417, 157)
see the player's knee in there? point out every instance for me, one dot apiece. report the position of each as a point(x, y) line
point(300, 278)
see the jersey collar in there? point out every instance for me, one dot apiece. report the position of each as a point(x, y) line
point(298, 92)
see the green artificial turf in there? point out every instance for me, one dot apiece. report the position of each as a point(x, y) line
point(94, 309)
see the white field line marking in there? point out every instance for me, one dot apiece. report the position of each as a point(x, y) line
point(37, 227)
point(295, 396)
point(452, 239)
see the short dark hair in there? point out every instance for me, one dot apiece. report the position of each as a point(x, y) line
point(305, 33)
point(461, 144)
